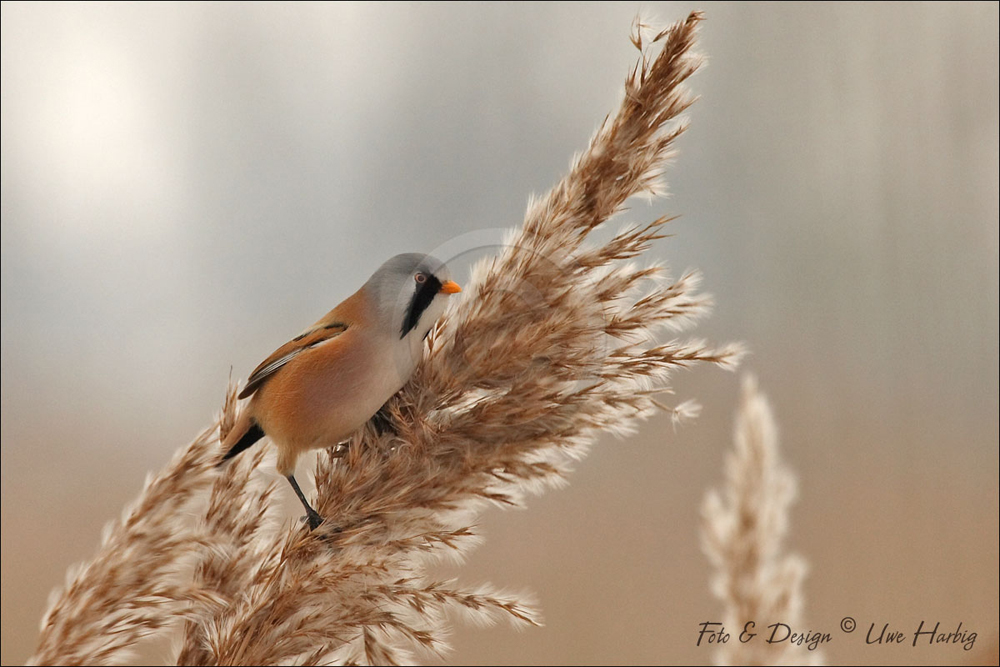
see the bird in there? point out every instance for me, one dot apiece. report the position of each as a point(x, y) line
point(323, 385)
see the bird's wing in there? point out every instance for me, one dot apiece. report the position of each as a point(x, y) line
point(326, 329)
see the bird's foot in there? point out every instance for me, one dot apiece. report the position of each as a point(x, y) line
point(314, 519)
point(383, 423)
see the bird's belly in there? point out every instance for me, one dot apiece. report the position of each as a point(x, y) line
point(317, 405)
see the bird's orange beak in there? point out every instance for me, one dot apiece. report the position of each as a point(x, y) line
point(450, 287)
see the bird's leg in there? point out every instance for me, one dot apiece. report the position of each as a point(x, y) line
point(383, 423)
point(312, 516)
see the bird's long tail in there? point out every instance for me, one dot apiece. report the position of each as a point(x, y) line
point(246, 431)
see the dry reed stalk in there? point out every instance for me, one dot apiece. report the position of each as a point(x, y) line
point(134, 586)
point(551, 345)
point(742, 532)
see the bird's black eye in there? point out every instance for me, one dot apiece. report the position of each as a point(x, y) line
point(421, 278)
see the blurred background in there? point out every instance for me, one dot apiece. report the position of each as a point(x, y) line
point(187, 186)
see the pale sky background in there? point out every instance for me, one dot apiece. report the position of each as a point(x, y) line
point(184, 187)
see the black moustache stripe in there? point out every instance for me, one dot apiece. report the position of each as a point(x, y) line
point(422, 297)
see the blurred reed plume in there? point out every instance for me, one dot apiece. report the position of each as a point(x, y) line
point(742, 530)
point(554, 342)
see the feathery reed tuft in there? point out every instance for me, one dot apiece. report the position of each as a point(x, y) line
point(553, 343)
point(134, 586)
point(742, 530)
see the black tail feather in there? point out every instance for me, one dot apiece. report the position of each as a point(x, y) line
point(253, 434)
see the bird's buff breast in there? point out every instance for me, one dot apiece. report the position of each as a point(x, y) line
point(327, 393)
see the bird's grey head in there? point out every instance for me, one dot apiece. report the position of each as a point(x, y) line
point(411, 291)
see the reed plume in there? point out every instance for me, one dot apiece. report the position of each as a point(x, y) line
point(554, 342)
point(743, 528)
point(134, 586)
